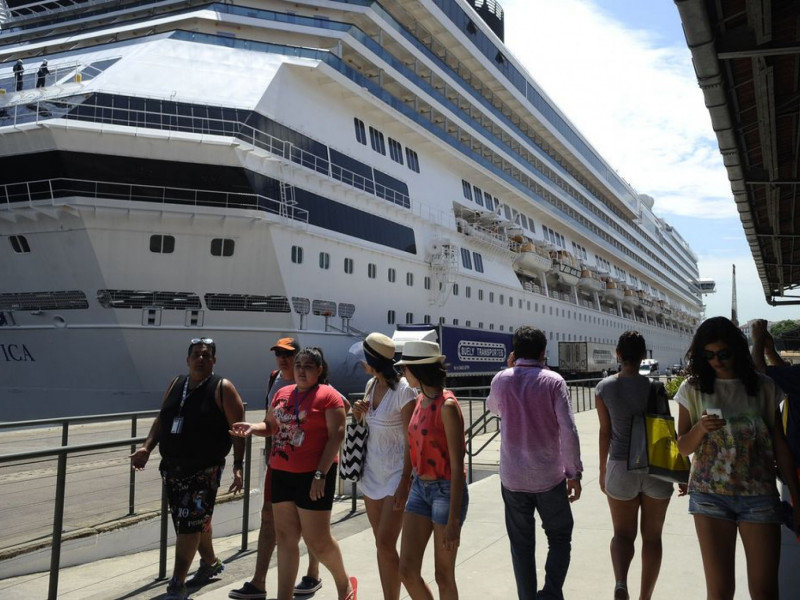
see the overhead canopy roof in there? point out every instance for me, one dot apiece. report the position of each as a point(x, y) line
point(747, 59)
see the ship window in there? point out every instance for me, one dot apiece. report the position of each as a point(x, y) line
point(491, 326)
point(471, 28)
point(412, 159)
point(297, 255)
point(478, 195)
point(409, 279)
point(372, 271)
point(20, 244)
point(532, 226)
point(377, 141)
point(390, 317)
point(348, 266)
point(488, 199)
point(478, 262)
point(466, 259)
point(194, 318)
point(426, 319)
point(480, 324)
point(491, 296)
point(480, 295)
point(162, 244)
point(441, 320)
point(455, 289)
point(468, 292)
point(427, 283)
point(222, 247)
point(324, 260)
point(502, 327)
point(529, 305)
point(361, 132)
point(523, 220)
point(468, 324)
point(395, 151)
point(409, 318)
point(467, 189)
point(455, 321)
point(507, 211)
point(392, 275)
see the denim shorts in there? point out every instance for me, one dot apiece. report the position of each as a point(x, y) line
point(431, 499)
point(742, 509)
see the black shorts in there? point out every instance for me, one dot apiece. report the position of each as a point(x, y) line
point(192, 497)
point(296, 487)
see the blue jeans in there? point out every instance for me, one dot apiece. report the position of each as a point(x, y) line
point(556, 514)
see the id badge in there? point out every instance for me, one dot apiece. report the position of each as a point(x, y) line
point(177, 425)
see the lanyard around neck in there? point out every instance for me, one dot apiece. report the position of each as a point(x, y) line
point(187, 391)
point(297, 404)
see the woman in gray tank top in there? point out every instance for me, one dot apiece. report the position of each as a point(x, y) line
point(629, 493)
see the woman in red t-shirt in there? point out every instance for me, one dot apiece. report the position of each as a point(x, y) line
point(306, 422)
point(438, 500)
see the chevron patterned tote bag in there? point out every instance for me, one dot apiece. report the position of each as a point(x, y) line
point(354, 451)
point(355, 444)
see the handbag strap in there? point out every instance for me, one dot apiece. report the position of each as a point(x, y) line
point(367, 392)
point(657, 399)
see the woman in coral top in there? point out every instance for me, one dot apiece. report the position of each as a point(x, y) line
point(439, 498)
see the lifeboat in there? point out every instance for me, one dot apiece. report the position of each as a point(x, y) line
point(530, 260)
point(645, 301)
point(613, 290)
point(630, 297)
point(564, 267)
point(590, 281)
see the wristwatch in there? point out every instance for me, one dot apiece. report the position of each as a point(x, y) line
point(319, 475)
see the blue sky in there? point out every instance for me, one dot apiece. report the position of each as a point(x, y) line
point(621, 72)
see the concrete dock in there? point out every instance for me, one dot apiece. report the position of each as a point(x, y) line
point(484, 565)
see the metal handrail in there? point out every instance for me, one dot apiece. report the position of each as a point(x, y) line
point(61, 476)
point(137, 117)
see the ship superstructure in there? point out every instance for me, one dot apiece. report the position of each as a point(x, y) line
point(321, 169)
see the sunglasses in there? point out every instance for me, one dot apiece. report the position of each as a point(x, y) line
point(284, 353)
point(723, 354)
point(202, 341)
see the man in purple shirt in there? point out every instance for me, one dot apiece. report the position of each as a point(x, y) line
point(540, 462)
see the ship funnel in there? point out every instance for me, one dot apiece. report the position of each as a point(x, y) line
point(492, 14)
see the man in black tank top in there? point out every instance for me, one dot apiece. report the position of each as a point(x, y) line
point(192, 434)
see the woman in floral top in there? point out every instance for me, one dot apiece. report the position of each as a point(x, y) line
point(728, 419)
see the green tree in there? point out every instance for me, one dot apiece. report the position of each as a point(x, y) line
point(672, 385)
point(781, 328)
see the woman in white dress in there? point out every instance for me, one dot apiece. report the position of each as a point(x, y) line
point(386, 478)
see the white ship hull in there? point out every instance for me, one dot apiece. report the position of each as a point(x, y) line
point(200, 184)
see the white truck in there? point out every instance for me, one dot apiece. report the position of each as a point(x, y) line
point(586, 360)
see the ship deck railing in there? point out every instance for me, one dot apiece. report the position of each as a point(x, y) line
point(18, 111)
point(29, 192)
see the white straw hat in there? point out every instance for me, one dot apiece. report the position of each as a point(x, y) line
point(420, 352)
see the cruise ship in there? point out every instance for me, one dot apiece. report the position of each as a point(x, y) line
point(250, 169)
